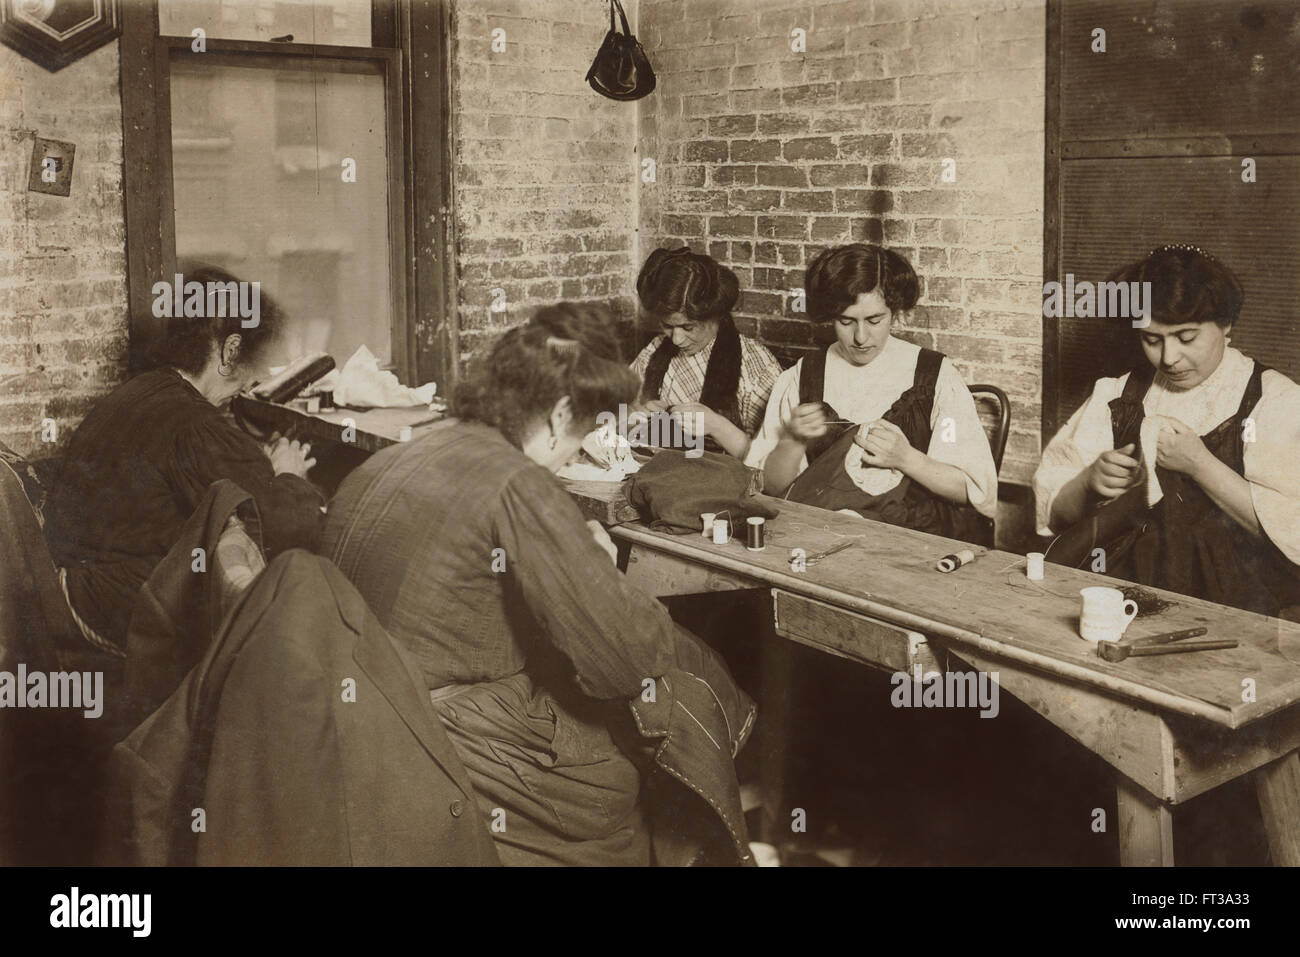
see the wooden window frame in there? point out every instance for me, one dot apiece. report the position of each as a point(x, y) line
point(417, 148)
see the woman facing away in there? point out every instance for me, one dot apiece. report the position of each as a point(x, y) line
point(477, 561)
point(1184, 469)
point(874, 424)
point(141, 461)
point(700, 366)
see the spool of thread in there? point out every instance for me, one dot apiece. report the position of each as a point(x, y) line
point(404, 435)
point(721, 531)
point(707, 519)
point(313, 404)
point(1034, 566)
point(327, 401)
point(754, 529)
point(950, 563)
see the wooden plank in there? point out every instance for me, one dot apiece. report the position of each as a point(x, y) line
point(434, 330)
point(856, 637)
point(1133, 740)
point(660, 575)
point(1205, 757)
point(775, 727)
point(142, 169)
point(1052, 415)
point(1146, 828)
point(1278, 787)
point(603, 501)
point(888, 574)
point(375, 428)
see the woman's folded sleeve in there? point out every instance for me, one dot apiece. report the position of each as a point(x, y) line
point(289, 506)
point(614, 635)
point(966, 446)
point(1270, 463)
point(1076, 446)
point(783, 401)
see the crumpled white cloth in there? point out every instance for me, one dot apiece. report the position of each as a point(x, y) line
point(1152, 426)
point(870, 478)
point(363, 384)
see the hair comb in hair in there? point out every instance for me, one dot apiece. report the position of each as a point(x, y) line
point(568, 347)
point(1182, 247)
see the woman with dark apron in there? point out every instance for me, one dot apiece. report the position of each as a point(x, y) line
point(1181, 474)
point(873, 424)
point(700, 367)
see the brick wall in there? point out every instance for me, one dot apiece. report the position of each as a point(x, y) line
point(765, 156)
point(544, 168)
point(63, 322)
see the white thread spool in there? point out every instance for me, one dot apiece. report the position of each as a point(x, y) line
point(950, 563)
point(405, 434)
point(707, 519)
point(1034, 566)
point(721, 531)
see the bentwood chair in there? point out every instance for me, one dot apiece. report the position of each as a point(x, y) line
point(995, 413)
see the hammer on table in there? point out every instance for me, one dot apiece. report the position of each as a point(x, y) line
point(1162, 644)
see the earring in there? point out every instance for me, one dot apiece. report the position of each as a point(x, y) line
point(554, 441)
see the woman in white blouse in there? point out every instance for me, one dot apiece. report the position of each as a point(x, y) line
point(1193, 454)
point(874, 424)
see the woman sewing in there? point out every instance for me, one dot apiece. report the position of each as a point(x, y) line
point(1183, 470)
point(874, 424)
point(477, 561)
point(699, 367)
point(141, 461)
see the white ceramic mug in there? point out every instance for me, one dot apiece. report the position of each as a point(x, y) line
point(1105, 615)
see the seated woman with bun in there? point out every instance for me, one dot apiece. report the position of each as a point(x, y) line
point(700, 366)
point(1184, 469)
point(141, 461)
point(874, 424)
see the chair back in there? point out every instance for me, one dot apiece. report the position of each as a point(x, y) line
point(995, 414)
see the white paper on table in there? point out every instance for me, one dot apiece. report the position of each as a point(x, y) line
point(362, 383)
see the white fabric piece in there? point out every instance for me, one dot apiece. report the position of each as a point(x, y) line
point(1149, 433)
point(870, 478)
point(362, 384)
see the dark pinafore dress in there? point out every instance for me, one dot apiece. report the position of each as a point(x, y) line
point(1187, 543)
point(826, 483)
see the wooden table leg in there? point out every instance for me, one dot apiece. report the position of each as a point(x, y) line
point(1278, 787)
point(1146, 827)
point(774, 736)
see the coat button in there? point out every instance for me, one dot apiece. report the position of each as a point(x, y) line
point(457, 808)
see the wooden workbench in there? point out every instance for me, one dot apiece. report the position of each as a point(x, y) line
point(1172, 726)
point(368, 429)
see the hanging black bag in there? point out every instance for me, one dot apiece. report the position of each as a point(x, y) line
point(621, 70)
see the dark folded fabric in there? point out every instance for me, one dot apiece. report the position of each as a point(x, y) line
point(672, 490)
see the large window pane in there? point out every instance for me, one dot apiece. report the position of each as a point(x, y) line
point(335, 22)
point(258, 160)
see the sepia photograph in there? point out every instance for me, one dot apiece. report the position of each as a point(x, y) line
point(846, 434)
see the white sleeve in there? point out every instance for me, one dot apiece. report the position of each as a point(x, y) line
point(1084, 437)
point(642, 360)
point(782, 402)
point(957, 438)
point(1270, 463)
